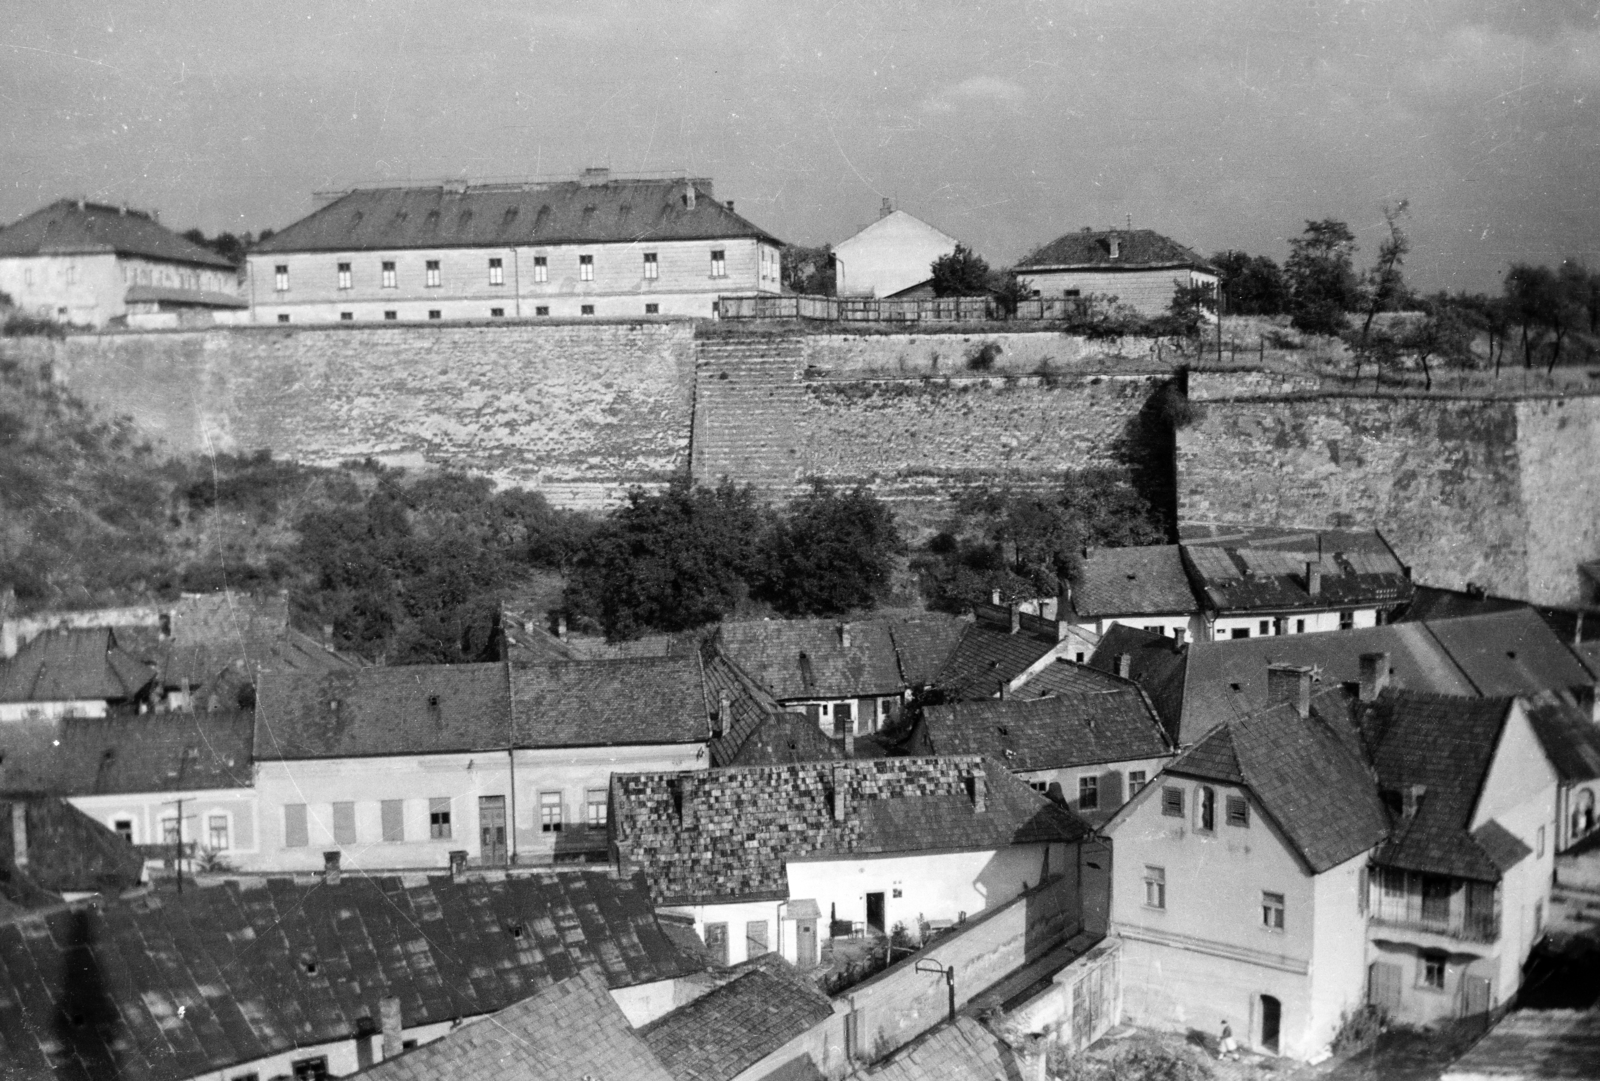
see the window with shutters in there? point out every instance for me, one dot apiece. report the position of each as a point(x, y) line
point(1172, 802)
point(394, 819)
point(439, 818)
point(1238, 811)
point(344, 823)
point(294, 826)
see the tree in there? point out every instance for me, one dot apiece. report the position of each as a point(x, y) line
point(962, 273)
point(1191, 305)
point(809, 270)
point(1250, 284)
point(1531, 303)
point(1321, 276)
point(1445, 334)
point(833, 552)
point(1385, 282)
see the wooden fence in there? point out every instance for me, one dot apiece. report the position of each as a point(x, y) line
point(906, 310)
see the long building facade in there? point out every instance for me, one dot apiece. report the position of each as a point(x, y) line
point(596, 247)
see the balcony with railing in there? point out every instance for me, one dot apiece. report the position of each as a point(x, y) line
point(1435, 905)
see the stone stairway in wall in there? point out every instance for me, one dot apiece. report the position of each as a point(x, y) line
point(748, 395)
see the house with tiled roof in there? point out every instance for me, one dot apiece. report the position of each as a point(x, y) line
point(1139, 267)
point(1153, 661)
point(495, 764)
point(1145, 586)
point(1571, 741)
point(850, 677)
point(1002, 649)
point(600, 246)
point(50, 852)
point(274, 977)
point(87, 263)
point(75, 673)
point(1240, 874)
point(778, 857)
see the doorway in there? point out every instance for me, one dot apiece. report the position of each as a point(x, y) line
point(875, 912)
point(805, 944)
point(1271, 1021)
point(492, 830)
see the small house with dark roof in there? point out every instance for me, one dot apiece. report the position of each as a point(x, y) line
point(495, 764)
point(75, 673)
point(596, 247)
point(87, 263)
point(1140, 267)
point(1144, 586)
point(1000, 651)
point(777, 857)
point(1240, 875)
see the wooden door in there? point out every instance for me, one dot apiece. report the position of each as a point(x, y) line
point(1474, 996)
point(806, 943)
point(1383, 986)
point(492, 830)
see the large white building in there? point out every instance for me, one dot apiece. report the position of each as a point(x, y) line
point(892, 257)
point(596, 247)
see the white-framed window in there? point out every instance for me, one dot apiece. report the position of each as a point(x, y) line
point(549, 812)
point(497, 271)
point(595, 808)
point(389, 279)
point(1137, 779)
point(344, 275)
point(217, 832)
point(171, 833)
point(652, 269)
point(431, 276)
point(1272, 911)
point(541, 269)
point(719, 263)
point(280, 278)
point(439, 818)
point(586, 268)
point(1155, 887)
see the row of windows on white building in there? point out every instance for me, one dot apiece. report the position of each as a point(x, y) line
point(433, 275)
point(391, 315)
point(392, 823)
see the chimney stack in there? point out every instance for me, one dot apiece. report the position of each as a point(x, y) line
point(844, 636)
point(688, 195)
point(994, 596)
point(850, 742)
point(724, 715)
point(389, 1014)
point(1314, 579)
point(1411, 799)
point(19, 833)
point(458, 864)
point(1374, 675)
point(330, 868)
point(839, 780)
point(976, 786)
point(1125, 665)
point(1016, 617)
point(885, 209)
point(1289, 683)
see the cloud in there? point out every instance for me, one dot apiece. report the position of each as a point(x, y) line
point(978, 90)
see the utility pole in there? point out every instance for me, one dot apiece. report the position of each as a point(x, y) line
point(177, 854)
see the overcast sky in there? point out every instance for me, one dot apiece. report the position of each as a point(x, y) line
point(1221, 123)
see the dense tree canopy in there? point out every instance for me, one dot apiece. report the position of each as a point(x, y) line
point(1321, 275)
point(1250, 284)
point(962, 273)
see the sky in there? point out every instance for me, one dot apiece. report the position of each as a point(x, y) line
point(1221, 123)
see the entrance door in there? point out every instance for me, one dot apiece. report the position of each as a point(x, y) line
point(492, 830)
point(1474, 997)
point(1271, 1018)
point(806, 943)
point(843, 719)
point(875, 912)
point(1383, 986)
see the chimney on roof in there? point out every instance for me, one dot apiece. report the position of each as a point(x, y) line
point(1125, 665)
point(561, 626)
point(1289, 683)
point(1177, 634)
point(1016, 617)
point(389, 1016)
point(1411, 799)
point(844, 636)
point(19, 833)
point(327, 637)
point(885, 208)
point(719, 727)
point(977, 790)
point(839, 781)
point(330, 868)
point(458, 864)
point(1005, 691)
point(1374, 676)
point(850, 742)
point(688, 195)
point(1314, 579)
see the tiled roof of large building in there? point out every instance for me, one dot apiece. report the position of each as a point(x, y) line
point(1155, 662)
point(1512, 652)
point(596, 703)
point(728, 833)
point(1305, 772)
point(171, 985)
point(149, 752)
point(73, 665)
point(821, 658)
point(1116, 724)
point(569, 1030)
point(1146, 580)
point(411, 709)
point(1267, 572)
point(924, 645)
point(1136, 248)
point(987, 658)
point(72, 227)
point(729, 1029)
point(497, 215)
point(1445, 744)
point(66, 852)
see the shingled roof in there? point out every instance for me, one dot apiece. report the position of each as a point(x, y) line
point(962, 1050)
point(604, 703)
point(987, 657)
point(168, 985)
point(758, 732)
point(808, 659)
point(1155, 662)
point(66, 852)
point(1267, 572)
point(571, 1029)
point(1115, 724)
point(725, 1031)
point(625, 211)
point(78, 227)
point(1144, 580)
point(727, 834)
point(149, 752)
point(1137, 249)
point(73, 666)
point(1305, 772)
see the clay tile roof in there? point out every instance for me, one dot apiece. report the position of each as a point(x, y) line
point(1139, 248)
point(1156, 663)
point(73, 665)
point(759, 732)
point(1266, 571)
point(961, 1051)
point(265, 967)
point(1116, 724)
point(1147, 580)
point(412, 709)
point(801, 659)
point(571, 1029)
point(67, 227)
point(985, 657)
point(924, 645)
point(729, 833)
point(727, 1030)
point(68, 852)
point(496, 215)
point(149, 752)
point(599, 703)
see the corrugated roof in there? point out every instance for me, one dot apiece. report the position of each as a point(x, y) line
point(500, 215)
point(1145, 580)
point(727, 834)
point(215, 977)
point(1074, 729)
point(569, 1030)
point(1137, 249)
point(73, 665)
point(597, 703)
point(148, 752)
point(68, 226)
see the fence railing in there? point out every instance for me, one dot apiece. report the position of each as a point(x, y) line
point(1466, 926)
point(899, 310)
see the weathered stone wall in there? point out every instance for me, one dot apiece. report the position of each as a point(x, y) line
point(1558, 449)
point(581, 411)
